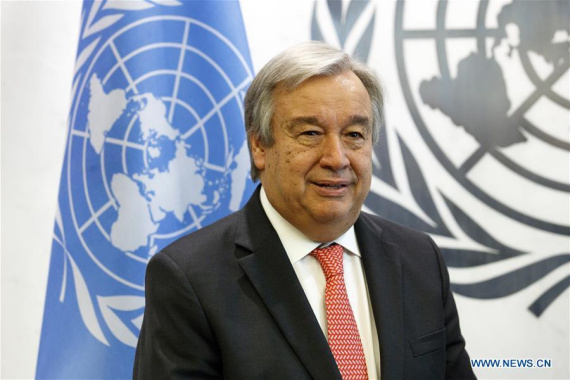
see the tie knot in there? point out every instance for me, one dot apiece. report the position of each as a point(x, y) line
point(330, 259)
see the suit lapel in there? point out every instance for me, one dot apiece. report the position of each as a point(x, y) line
point(264, 260)
point(382, 266)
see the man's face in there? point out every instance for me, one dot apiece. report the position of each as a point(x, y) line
point(317, 173)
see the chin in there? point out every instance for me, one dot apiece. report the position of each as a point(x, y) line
point(333, 214)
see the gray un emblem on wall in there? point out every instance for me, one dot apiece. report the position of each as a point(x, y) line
point(490, 100)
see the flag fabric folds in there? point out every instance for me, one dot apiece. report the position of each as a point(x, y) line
point(156, 149)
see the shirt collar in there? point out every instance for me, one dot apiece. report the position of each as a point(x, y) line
point(296, 244)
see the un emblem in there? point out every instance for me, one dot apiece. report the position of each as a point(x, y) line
point(490, 100)
point(158, 125)
point(486, 86)
point(494, 108)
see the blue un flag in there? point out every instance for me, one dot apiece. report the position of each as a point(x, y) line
point(156, 149)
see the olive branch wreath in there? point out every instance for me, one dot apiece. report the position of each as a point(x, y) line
point(395, 196)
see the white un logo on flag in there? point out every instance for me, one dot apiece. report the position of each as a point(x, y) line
point(161, 139)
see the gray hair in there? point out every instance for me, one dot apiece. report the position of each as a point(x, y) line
point(291, 68)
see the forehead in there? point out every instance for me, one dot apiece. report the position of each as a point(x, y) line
point(342, 92)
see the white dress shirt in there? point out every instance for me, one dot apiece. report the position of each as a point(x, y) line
point(312, 279)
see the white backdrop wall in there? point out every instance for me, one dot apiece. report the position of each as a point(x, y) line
point(39, 40)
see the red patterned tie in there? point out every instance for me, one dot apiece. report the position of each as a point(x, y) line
point(344, 339)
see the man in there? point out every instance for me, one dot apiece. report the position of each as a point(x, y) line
point(255, 296)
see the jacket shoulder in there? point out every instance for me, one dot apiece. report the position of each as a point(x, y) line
point(392, 231)
point(201, 246)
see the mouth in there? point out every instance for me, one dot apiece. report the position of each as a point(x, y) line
point(331, 185)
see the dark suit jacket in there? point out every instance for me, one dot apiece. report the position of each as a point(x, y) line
point(224, 302)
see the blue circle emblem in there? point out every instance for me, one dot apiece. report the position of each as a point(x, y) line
point(159, 126)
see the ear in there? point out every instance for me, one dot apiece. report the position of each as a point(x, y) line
point(257, 153)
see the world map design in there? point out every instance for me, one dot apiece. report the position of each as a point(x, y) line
point(148, 196)
point(482, 110)
point(159, 127)
point(478, 99)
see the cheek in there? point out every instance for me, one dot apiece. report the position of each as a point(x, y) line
point(272, 161)
point(366, 168)
point(289, 158)
point(362, 166)
point(301, 162)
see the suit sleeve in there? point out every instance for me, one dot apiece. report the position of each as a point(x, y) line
point(458, 365)
point(176, 340)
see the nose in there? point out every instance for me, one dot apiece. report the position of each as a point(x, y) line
point(333, 155)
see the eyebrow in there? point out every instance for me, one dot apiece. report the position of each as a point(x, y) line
point(360, 120)
point(301, 120)
point(313, 120)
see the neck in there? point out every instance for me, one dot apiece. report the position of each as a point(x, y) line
point(323, 232)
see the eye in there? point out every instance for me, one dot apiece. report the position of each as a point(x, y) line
point(310, 133)
point(355, 135)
